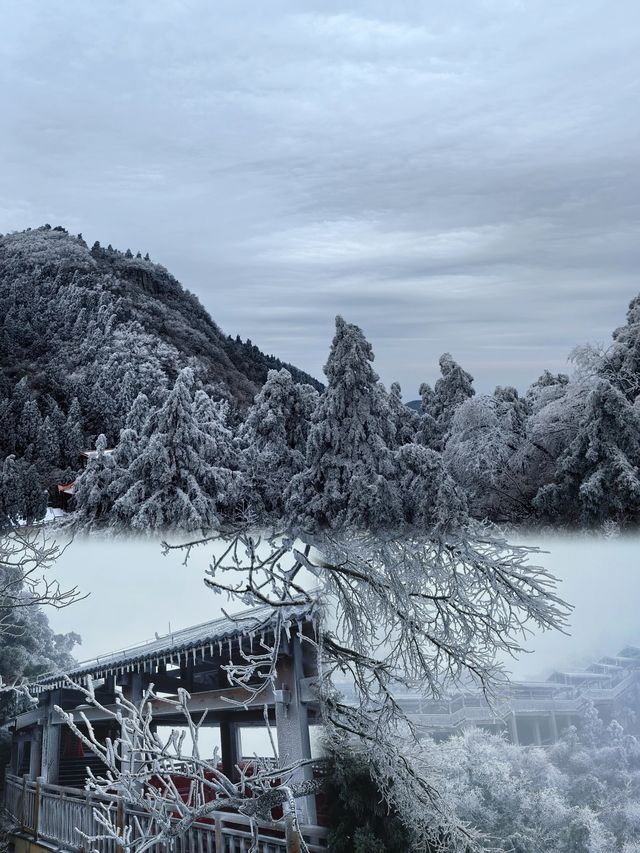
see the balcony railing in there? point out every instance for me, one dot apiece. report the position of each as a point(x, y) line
point(54, 815)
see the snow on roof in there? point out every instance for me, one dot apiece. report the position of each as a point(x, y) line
point(90, 454)
point(198, 639)
point(69, 488)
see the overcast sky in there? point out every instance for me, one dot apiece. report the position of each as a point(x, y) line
point(450, 176)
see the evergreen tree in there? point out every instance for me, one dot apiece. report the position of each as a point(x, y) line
point(173, 483)
point(405, 420)
point(453, 388)
point(138, 413)
point(273, 439)
point(72, 435)
point(350, 470)
point(597, 477)
point(29, 425)
point(48, 446)
point(93, 489)
point(360, 822)
point(430, 498)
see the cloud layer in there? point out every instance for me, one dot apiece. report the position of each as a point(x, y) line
point(457, 177)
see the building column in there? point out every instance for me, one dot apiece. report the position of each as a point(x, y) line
point(35, 762)
point(229, 746)
point(50, 751)
point(134, 691)
point(513, 728)
point(292, 726)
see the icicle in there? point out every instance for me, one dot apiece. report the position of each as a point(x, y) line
point(251, 636)
point(287, 629)
point(220, 647)
point(202, 653)
point(229, 642)
point(211, 649)
point(299, 631)
point(193, 655)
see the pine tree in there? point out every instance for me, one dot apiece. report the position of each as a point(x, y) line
point(48, 446)
point(29, 425)
point(93, 489)
point(72, 435)
point(428, 432)
point(453, 388)
point(349, 478)
point(430, 499)
point(173, 483)
point(597, 477)
point(405, 420)
point(273, 439)
point(138, 413)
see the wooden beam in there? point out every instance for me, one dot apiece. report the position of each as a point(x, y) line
point(210, 700)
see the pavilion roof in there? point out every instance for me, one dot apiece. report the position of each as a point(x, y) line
point(177, 646)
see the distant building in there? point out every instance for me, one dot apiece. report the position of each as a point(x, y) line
point(532, 712)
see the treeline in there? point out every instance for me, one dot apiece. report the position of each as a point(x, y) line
point(115, 351)
point(566, 453)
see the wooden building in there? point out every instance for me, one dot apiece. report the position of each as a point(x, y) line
point(45, 782)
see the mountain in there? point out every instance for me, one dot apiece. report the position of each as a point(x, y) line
point(102, 325)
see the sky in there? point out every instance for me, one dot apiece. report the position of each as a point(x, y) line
point(449, 176)
point(135, 592)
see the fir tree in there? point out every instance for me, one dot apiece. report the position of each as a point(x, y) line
point(93, 489)
point(597, 477)
point(72, 435)
point(405, 420)
point(453, 388)
point(273, 438)
point(173, 483)
point(349, 478)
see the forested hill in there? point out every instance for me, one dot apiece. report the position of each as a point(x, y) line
point(101, 325)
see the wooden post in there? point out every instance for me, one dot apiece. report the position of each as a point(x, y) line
point(50, 750)
point(218, 835)
point(35, 758)
point(88, 815)
point(229, 746)
point(24, 801)
point(291, 836)
point(36, 810)
point(120, 817)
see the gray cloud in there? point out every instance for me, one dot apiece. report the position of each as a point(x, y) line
point(449, 176)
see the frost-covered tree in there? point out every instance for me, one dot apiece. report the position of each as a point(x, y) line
point(430, 499)
point(453, 387)
point(72, 435)
point(48, 445)
point(485, 445)
point(23, 498)
point(273, 440)
point(29, 425)
point(93, 495)
point(598, 477)
point(138, 413)
point(349, 475)
point(621, 364)
point(176, 480)
point(428, 432)
point(579, 796)
point(405, 421)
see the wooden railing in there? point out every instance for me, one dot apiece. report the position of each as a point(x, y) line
point(57, 815)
